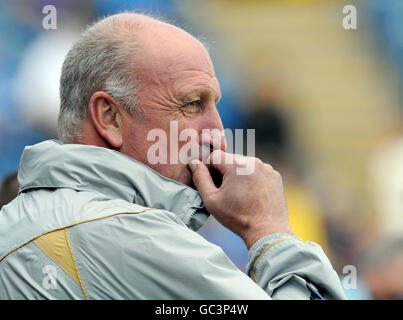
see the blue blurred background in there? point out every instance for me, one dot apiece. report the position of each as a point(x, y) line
point(326, 104)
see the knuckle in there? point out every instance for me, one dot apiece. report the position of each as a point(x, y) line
point(217, 157)
point(216, 152)
point(258, 161)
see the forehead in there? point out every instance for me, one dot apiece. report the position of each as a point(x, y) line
point(168, 45)
point(170, 55)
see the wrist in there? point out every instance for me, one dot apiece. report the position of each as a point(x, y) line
point(253, 235)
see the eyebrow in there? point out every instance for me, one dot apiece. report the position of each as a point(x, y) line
point(200, 92)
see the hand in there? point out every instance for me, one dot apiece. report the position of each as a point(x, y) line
point(251, 205)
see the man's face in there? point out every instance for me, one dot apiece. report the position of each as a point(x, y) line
point(176, 83)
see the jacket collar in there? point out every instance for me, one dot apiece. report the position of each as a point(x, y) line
point(51, 164)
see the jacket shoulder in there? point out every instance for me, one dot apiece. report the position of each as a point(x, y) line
point(35, 214)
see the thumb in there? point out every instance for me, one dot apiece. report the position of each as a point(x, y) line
point(202, 178)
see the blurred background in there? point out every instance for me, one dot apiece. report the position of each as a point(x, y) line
point(326, 104)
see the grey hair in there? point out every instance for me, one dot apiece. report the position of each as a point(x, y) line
point(101, 59)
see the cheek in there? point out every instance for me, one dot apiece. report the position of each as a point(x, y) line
point(134, 145)
point(137, 146)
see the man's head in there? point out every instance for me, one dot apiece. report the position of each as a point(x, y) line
point(129, 74)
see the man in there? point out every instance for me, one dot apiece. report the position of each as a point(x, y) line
point(96, 218)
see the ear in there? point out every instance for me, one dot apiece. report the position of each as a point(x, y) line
point(106, 118)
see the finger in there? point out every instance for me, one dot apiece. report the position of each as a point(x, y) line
point(268, 166)
point(221, 161)
point(214, 138)
point(202, 178)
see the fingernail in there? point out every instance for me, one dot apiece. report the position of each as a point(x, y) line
point(193, 164)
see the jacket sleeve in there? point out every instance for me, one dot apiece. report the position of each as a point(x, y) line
point(280, 267)
point(288, 268)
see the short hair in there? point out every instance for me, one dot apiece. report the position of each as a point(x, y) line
point(101, 59)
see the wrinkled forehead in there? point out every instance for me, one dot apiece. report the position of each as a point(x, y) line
point(168, 49)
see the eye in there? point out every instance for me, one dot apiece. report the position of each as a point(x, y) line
point(194, 105)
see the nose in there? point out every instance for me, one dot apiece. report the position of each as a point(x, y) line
point(216, 119)
point(212, 133)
